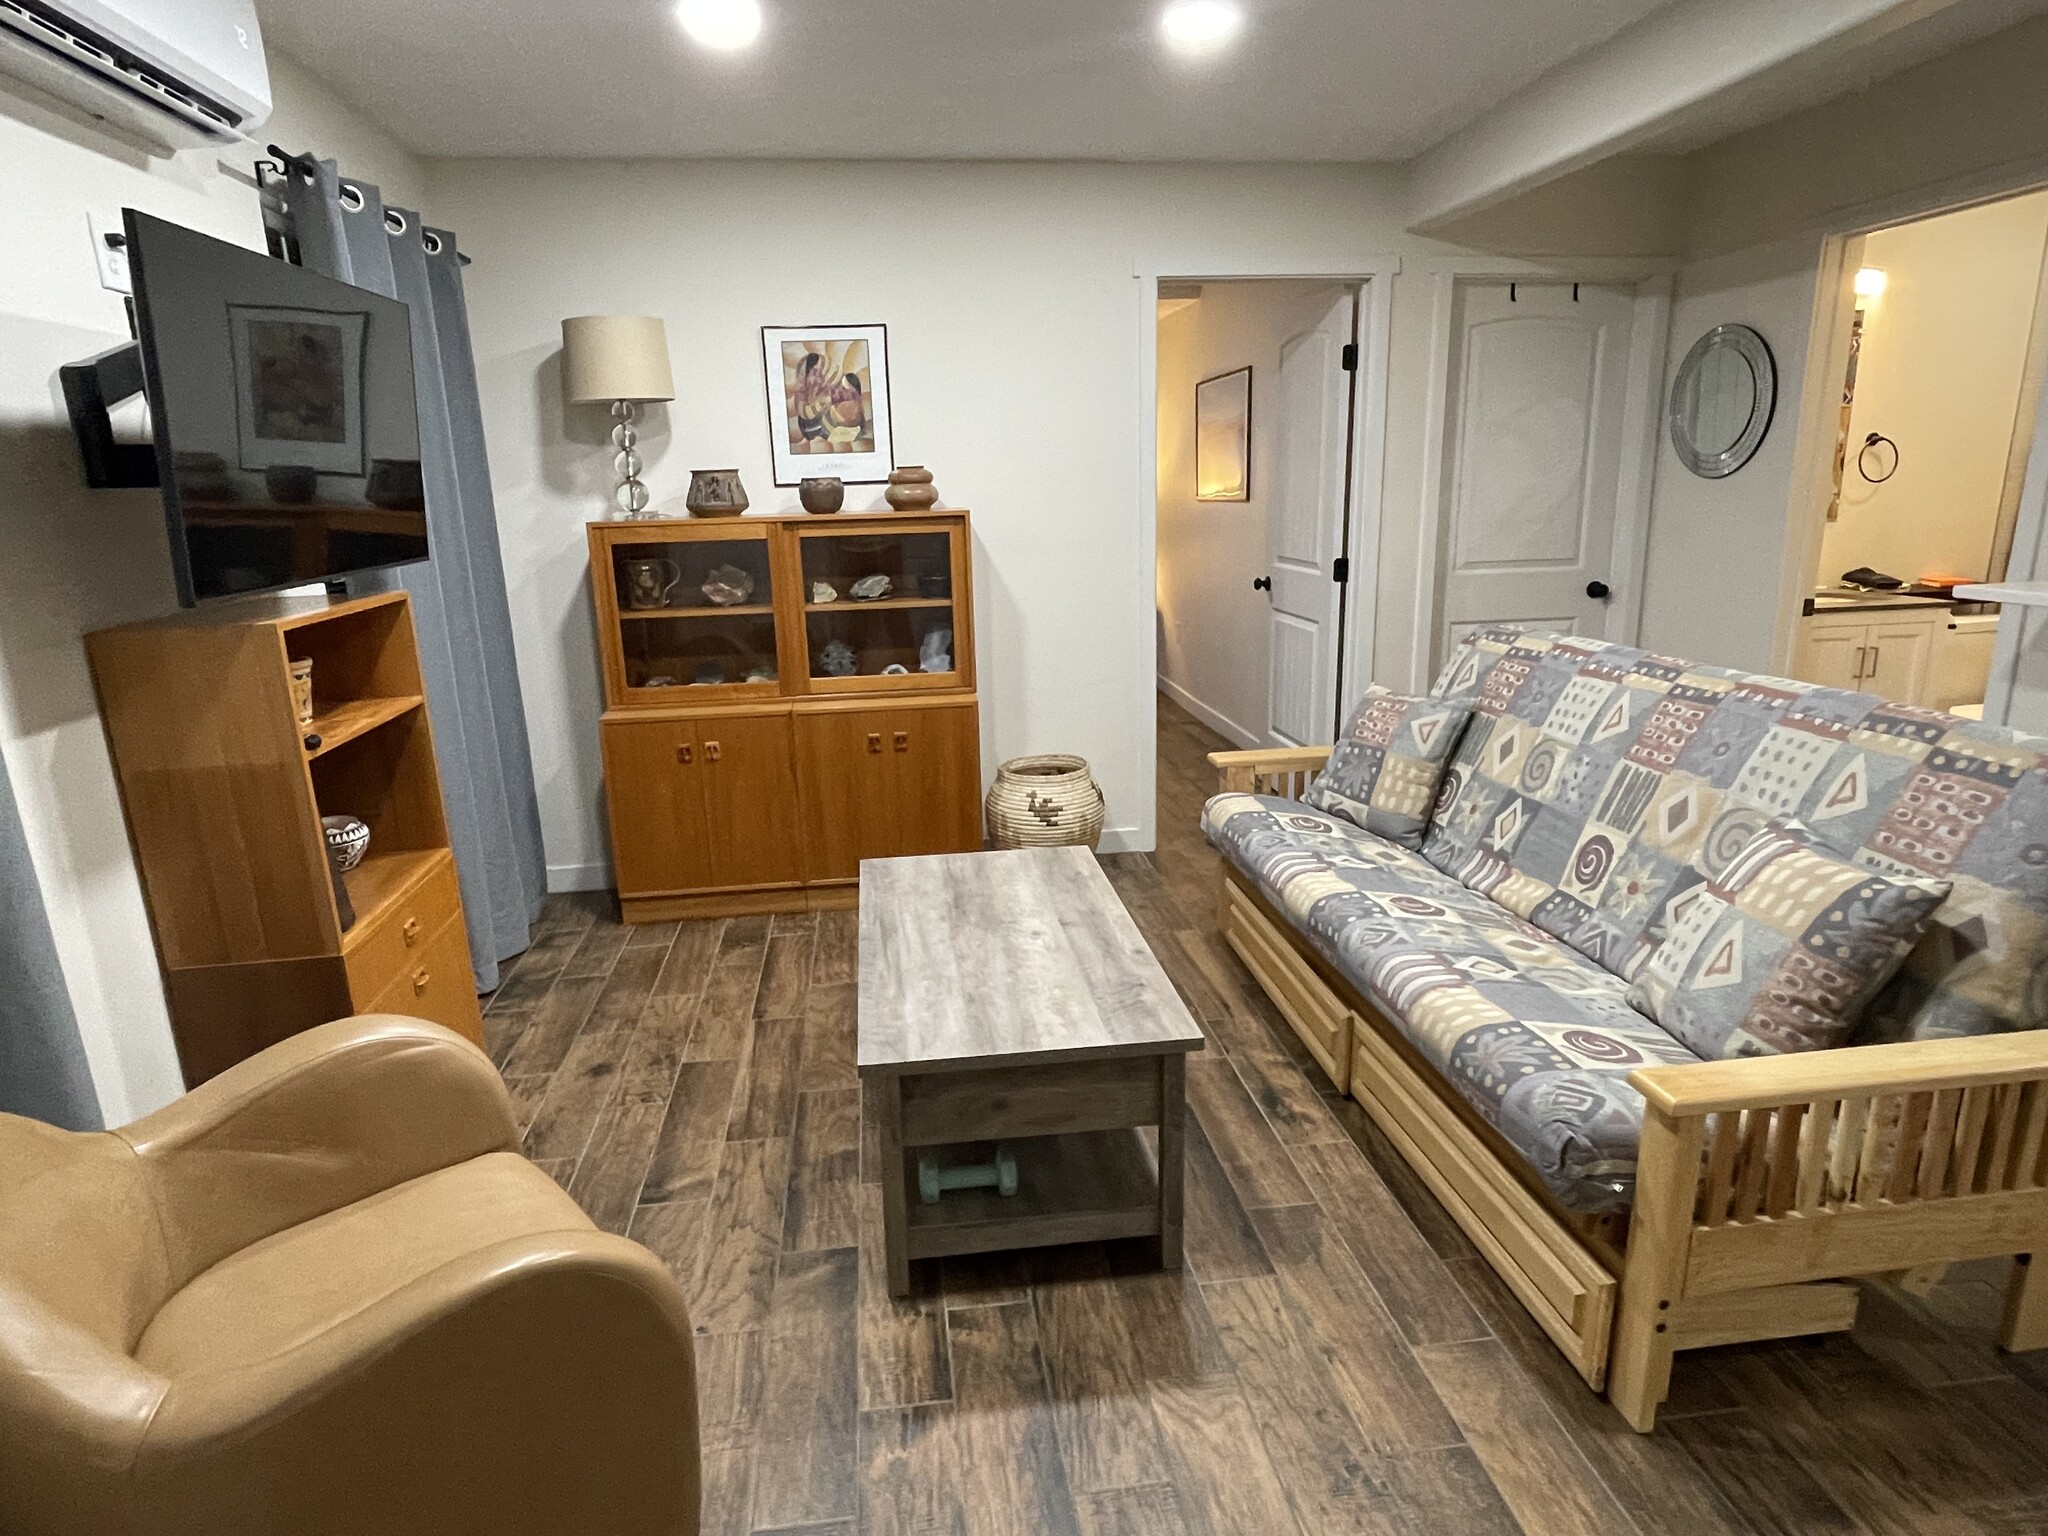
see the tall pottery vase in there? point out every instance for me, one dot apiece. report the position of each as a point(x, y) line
point(1047, 801)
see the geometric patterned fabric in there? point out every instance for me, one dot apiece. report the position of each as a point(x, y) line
point(1384, 770)
point(1538, 1039)
point(1594, 776)
point(1591, 785)
point(1781, 950)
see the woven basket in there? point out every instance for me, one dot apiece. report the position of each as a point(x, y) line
point(1046, 801)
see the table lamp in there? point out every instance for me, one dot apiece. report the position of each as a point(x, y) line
point(620, 360)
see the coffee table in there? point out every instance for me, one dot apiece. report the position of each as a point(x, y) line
point(1009, 997)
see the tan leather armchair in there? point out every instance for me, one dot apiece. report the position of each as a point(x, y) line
point(323, 1293)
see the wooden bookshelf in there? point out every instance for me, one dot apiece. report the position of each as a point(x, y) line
point(224, 795)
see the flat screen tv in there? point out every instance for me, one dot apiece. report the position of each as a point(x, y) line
point(287, 429)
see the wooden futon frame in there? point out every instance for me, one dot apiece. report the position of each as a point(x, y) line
point(1762, 1185)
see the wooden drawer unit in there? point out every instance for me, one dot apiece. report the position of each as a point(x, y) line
point(378, 949)
point(1317, 1014)
point(437, 984)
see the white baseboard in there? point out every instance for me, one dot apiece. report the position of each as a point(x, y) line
point(563, 878)
point(1124, 840)
point(1222, 724)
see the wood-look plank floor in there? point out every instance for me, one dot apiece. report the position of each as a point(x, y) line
point(1335, 1358)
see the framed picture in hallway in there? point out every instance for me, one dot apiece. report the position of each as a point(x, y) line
point(1223, 437)
point(828, 402)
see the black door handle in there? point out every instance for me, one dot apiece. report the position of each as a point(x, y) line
point(1599, 589)
point(1262, 583)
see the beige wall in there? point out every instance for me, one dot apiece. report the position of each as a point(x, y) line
point(1213, 628)
point(77, 560)
point(1944, 356)
point(1760, 205)
point(1016, 333)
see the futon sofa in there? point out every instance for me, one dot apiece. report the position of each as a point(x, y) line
point(1472, 994)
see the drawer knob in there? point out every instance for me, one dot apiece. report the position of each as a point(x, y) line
point(874, 741)
point(411, 930)
point(420, 980)
point(685, 755)
point(903, 741)
point(713, 752)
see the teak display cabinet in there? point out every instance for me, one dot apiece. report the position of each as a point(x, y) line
point(224, 791)
point(763, 735)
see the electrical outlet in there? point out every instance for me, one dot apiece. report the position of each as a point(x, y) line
point(110, 251)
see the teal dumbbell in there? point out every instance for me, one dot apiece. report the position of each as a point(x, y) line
point(999, 1175)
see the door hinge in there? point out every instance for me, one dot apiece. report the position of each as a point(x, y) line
point(1350, 363)
point(1340, 570)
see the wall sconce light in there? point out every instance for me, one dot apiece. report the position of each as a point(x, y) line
point(1870, 283)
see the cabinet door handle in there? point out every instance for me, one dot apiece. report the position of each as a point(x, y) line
point(712, 752)
point(686, 755)
point(874, 741)
point(421, 978)
point(411, 930)
point(1875, 652)
point(1861, 652)
point(903, 741)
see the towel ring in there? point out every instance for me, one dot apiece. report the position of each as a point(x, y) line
point(1876, 443)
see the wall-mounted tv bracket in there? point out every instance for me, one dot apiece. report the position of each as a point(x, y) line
point(91, 389)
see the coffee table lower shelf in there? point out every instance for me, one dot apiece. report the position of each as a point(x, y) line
point(1083, 1187)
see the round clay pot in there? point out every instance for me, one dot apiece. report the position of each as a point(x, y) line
point(911, 489)
point(822, 495)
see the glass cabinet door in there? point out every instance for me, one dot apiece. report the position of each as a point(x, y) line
point(878, 608)
point(695, 614)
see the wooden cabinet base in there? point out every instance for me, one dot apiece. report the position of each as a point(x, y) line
point(696, 904)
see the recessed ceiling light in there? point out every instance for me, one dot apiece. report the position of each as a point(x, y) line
point(721, 24)
point(1200, 26)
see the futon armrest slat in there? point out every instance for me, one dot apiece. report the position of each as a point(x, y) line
point(1246, 772)
point(1912, 1066)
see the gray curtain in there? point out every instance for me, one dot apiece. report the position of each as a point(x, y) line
point(341, 227)
point(42, 1062)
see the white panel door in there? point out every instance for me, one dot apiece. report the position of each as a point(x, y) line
point(1311, 401)
point(1533, 439)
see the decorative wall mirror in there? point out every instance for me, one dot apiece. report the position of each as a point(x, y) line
point(1721, 400)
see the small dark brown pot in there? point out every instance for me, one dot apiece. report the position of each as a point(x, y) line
point(827, 494)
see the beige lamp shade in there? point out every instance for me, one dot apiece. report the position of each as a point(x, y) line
point(615, 357)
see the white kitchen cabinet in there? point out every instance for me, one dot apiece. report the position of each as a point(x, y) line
point(1888, 654)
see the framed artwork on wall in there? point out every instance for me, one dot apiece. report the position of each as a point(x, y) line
point(1223, 437)
point(828, 402)
point(299, 387)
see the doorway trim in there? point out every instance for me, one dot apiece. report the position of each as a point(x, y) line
point(1651, 277)
point(1373, 273)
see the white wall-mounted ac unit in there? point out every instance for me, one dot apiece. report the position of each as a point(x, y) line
point(170, 73)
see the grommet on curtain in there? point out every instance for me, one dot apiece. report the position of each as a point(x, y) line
point(394, 222)
point(351, 198)
point(432, 242)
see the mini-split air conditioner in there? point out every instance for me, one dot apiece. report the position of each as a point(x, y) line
point(169, 73)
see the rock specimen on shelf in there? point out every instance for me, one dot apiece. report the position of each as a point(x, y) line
point(728, 585)
point(837, 660)
point(935, 651)
point(869, 588)
point(824, 592)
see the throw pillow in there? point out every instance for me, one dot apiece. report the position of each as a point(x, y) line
point(1779, 952)
point(1383, 774)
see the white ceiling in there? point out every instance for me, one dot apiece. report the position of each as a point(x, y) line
point(921, 79)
